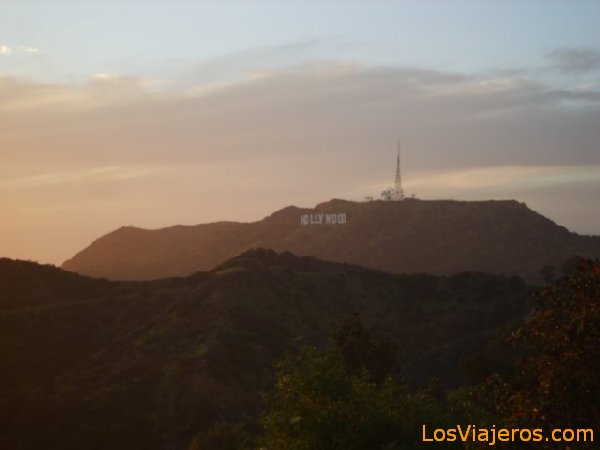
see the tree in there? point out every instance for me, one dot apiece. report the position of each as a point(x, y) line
point(359, 352)
point(329, 400)
point(560, 372)
point(556, 382)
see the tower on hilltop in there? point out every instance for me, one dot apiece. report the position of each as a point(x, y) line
point(396, 193)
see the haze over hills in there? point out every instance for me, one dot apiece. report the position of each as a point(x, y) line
point(95, 364)
point(412, 236)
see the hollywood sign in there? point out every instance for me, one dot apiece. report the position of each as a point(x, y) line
point(321, 218)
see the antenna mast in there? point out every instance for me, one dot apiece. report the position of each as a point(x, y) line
point(398, 191)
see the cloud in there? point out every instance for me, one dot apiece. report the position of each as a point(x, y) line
point(105, 77)
point(515, 177)
point(575, 60)
point(501, 94)
point(233, 66)
point(101, 89)
point(6, 50)
point(81, 176)
point(322, 108)
point(28, 50)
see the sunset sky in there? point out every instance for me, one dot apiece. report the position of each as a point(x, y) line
point(160, 113)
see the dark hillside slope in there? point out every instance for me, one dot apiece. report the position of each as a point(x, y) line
point(414, 236)
point(146, 365)
point(25, 283)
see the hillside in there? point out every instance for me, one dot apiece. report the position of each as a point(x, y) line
point(146, 365)
point(414, 236)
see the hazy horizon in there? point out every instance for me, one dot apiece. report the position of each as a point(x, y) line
point(156, 114)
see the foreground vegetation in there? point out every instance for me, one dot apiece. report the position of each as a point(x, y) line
point(346, 397)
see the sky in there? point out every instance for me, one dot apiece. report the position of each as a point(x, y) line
point(161, 113)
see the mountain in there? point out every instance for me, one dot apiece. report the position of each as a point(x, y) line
point(93, 364)
point(412, 236)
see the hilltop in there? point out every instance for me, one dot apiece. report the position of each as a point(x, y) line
point(412, 236)
point(95, 364)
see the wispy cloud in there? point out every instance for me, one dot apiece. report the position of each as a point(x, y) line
point(28, 50)
point(327, 107)
point(513, 177)
point(575, 60)
point(101, 89)
point(87, 176)
point(237, 65)
point(105, 76)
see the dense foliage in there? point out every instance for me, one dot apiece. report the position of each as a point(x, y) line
point(331, 400)
point(556, 383)
point(346, 399)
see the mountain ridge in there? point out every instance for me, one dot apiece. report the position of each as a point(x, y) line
point(412, 236)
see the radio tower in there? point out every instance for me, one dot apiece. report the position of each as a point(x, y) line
point(398, 192)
